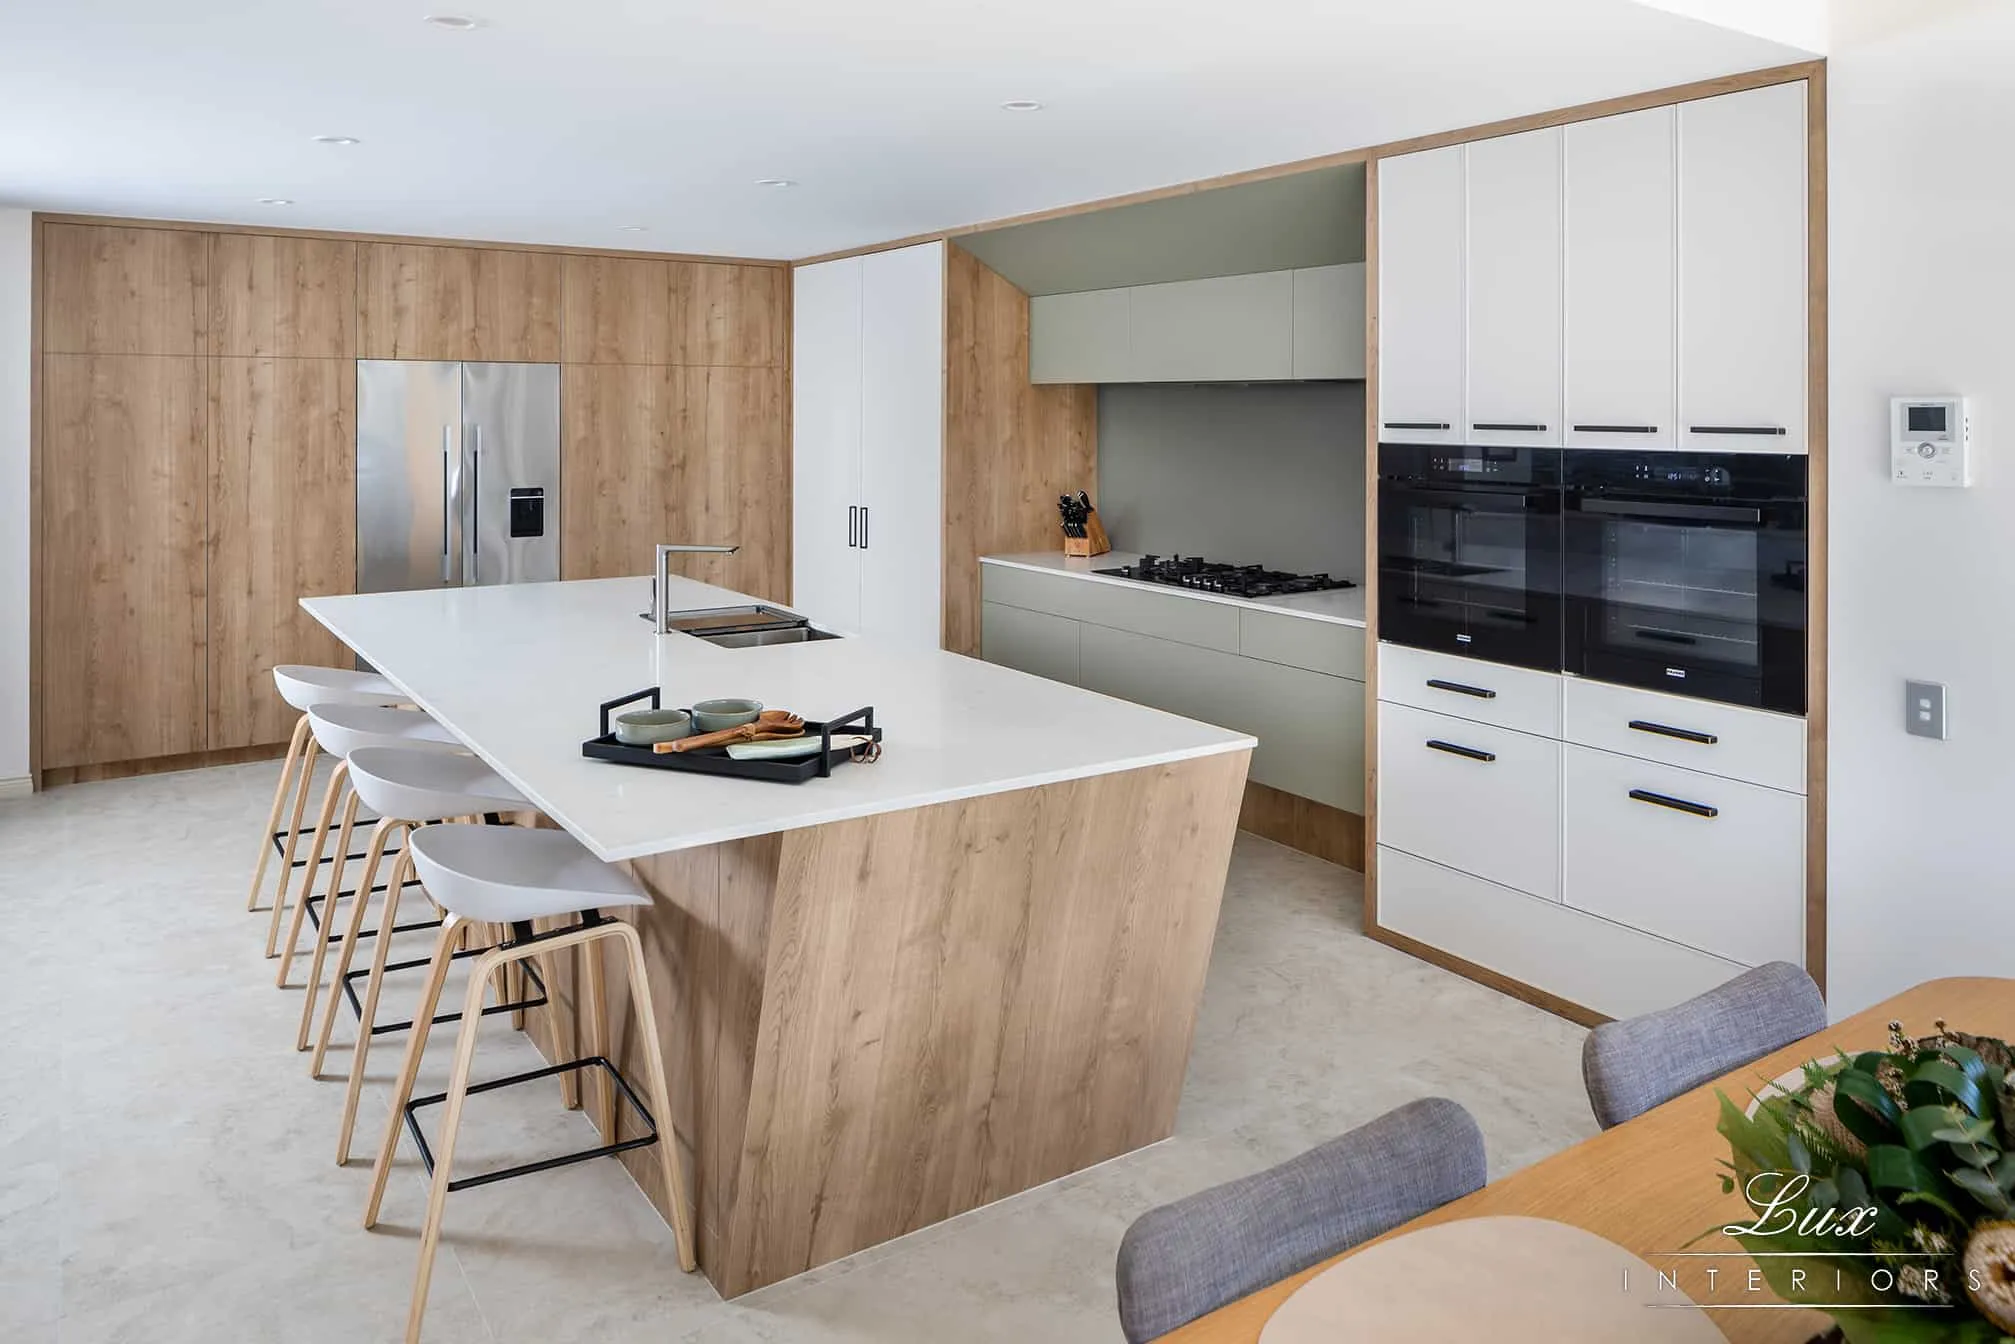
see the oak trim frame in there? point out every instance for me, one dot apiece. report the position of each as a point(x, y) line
point(1633, 102)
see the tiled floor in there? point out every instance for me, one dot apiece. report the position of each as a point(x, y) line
point(167, 1166)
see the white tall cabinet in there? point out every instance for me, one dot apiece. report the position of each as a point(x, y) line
point(868, 352)
point(1631, 281)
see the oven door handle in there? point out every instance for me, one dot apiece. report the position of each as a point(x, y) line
point(1475, 500)
point(1644, 508)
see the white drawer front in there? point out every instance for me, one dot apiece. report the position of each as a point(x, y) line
point(1732, 884)
point(1585, 960)
point(1479, 798)
point(1515, 697)
point(1752, 745)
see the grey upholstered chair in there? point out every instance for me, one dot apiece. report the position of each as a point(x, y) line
point(1641, 1062)
point(1185, 1259)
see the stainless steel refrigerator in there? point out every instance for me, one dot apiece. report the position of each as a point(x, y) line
point(458, 474)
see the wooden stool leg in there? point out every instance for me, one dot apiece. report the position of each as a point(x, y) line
point(325, 932)
point(303, 784)
point(337, 780)
point(451, 1122)
point(381, 836)
point(337, 862)
point(367, 1015)
point(279, 805)
point(603, 1112)
point(558, 1035)
point(661, 1094)
point(416, 1046)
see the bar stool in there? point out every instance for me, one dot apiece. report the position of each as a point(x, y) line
point(514, 875)
point(407, 788)
point(301, 685)
point(338, 729)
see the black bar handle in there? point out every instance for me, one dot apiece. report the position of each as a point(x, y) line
point(1616, 429)
point(1467, 753)
point(1460, 689)
point(1736, 429)
point(1676, 804)
point(1644, 508)
point(864, 717)
point(1665, 730)
point(609, 706)
point(853, 525)
point(864, 527)
point(1418, 424)
point(1526, 429)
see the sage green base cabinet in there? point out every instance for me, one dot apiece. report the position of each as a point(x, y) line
point(1295, 684)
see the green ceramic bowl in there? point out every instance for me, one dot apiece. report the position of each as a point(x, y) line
point(713, 715)
point(642, 727)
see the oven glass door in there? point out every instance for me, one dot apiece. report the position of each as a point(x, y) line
point(1471, 570)
point(1701, 599)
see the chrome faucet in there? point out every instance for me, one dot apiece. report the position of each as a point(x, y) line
point(661, 580)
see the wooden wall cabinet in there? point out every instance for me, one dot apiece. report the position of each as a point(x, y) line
point(123, 291)
point(421, 301)
point(288, 297)
point(280, 524)
point(121, 565)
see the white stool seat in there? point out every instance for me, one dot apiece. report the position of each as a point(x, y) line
point(302, 685)
point(343, 727)
point(502, 874)
point(422, 784)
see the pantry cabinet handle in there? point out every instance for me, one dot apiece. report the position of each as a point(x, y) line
point(1467, 753)
point(1616, 429)
point(1525, 429)
point(1735, 429)
point(1460, 689)
point(1683, 734)
point(1676, 804)
point(1418, 424)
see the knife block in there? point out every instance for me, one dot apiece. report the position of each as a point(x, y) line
point(1092, 543)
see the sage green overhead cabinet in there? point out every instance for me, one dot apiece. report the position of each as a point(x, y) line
point(1270, 326)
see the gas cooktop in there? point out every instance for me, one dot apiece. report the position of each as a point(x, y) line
point(1208, 576)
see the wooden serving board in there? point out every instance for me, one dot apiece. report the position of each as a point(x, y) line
point(1506, 1280)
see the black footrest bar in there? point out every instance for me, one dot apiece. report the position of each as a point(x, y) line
point(387, 1028)
point(315, 917)
point(636, 1102)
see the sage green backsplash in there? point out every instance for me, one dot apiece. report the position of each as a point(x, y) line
point(1268, 474)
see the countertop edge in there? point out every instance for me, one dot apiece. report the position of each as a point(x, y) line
point(1222, 599)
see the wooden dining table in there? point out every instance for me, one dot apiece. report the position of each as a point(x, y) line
point(1653, 1184)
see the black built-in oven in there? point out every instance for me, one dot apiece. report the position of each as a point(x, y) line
point(1469, 551)
point(1686, 573)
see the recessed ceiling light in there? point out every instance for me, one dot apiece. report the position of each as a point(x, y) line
point(775, 182)
point(337, 140)
point(1021, 105)
point(275, 200)
point(632, 228)
point(456, 23)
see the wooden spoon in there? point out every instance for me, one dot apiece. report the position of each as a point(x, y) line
point(769, 726)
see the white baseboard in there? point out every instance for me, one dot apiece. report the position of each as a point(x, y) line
point(18, 787)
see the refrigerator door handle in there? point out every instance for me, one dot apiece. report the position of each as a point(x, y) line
point(476, 508)
point(447, 437)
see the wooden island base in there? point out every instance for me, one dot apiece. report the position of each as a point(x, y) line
point(874, 1025)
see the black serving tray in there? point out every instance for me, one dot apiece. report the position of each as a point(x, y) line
point(716, 761)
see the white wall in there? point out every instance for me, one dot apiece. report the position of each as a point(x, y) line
point(15, 273)
point(1921, 865)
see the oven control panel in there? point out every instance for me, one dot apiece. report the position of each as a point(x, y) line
point(1930, 441)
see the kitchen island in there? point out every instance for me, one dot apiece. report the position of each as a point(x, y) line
point(889, 996)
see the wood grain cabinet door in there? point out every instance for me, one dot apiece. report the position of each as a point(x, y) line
point(271, 295)
point(122, 565)
point(120, 291)
point(417, 301)
point(281, 526)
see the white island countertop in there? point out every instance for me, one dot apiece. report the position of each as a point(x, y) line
point(516, 672)
point(1338, 606)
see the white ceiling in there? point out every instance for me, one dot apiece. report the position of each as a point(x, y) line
point(559, 121)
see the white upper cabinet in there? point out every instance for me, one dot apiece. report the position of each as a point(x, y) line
point(1742, 271)
point(902, 459)
point(1621, 264)
point(867, 444)
point(1420, 297)
point(826, 361)
point(1512, 284)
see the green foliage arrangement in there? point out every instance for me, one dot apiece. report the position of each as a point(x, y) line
point(1884, 1183)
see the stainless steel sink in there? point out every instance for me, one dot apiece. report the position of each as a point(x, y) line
point(745, 627)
